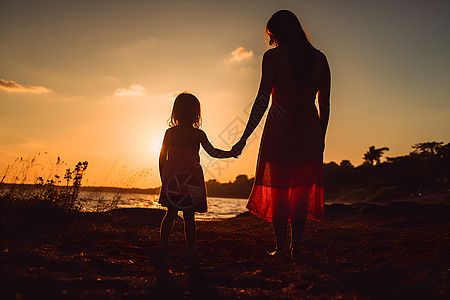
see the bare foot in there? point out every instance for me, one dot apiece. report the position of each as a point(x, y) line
point(279, 254)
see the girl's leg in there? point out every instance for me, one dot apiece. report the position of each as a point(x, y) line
point(190, 230)
point(166, 227)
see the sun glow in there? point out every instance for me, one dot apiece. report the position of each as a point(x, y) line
point(154, 145)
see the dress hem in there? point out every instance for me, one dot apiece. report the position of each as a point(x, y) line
point(297, 201)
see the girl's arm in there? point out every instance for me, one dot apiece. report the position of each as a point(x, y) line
point(163, 155)
point(214, 152)
point(323, 96)
point(261, 102)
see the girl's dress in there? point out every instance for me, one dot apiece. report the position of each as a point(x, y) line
point(289, 173)
point(183, 184)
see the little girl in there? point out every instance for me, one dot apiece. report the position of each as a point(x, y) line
point(183, 184)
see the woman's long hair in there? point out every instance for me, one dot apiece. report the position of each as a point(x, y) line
point(284, 29)
point(186, 111)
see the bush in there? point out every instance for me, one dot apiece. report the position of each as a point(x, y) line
point(46, 194)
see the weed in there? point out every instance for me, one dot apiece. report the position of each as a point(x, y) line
point(44, 192)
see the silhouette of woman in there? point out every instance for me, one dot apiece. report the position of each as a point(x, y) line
point(289, 175)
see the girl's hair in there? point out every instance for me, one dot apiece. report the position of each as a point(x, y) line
point(284, 29)
point(186, 110)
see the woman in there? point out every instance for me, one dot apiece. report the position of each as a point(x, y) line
point(289, 175)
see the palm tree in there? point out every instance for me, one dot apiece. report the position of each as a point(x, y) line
point(374, 155)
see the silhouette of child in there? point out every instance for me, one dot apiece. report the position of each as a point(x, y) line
point(183, 185)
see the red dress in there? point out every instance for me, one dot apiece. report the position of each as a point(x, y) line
point(289, 173)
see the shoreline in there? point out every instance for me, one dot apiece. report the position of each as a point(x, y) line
point(216, 211)
point(396, 208)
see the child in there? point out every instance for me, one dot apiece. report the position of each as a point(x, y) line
point(183, 185)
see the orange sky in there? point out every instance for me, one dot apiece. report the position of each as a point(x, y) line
point(95, 80)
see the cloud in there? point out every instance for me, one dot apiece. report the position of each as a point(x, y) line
point(241, 54)
point(133, 90)
point(12, 86)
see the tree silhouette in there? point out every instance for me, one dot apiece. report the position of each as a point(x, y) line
point(428, 148)
point(374, 155)
point(444, 151)
point(346, 164)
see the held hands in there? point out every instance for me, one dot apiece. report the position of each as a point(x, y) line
point(232, 154)
point(226, 154)
point(238, 147)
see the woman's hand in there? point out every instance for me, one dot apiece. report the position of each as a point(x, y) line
point(232, 154)
point(238, 147)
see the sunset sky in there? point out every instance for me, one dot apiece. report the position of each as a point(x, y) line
point(95, 80)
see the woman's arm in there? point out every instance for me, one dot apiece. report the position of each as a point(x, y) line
point(261, 102)
point(323, 96)
point(163, 155)
point(214, 152)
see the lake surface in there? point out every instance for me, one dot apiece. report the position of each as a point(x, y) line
point(218, 208)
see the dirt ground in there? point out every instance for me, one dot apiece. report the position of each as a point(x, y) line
point(399, 251)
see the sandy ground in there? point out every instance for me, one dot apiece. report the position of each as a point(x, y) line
point(399, 251)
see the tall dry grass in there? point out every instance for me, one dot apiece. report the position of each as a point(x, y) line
point(42, 180)
point(37, 181)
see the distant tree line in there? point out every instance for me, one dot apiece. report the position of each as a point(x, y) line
point(424, 171)
point(240, 188)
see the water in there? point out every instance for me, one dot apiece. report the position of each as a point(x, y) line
point(218, 208)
